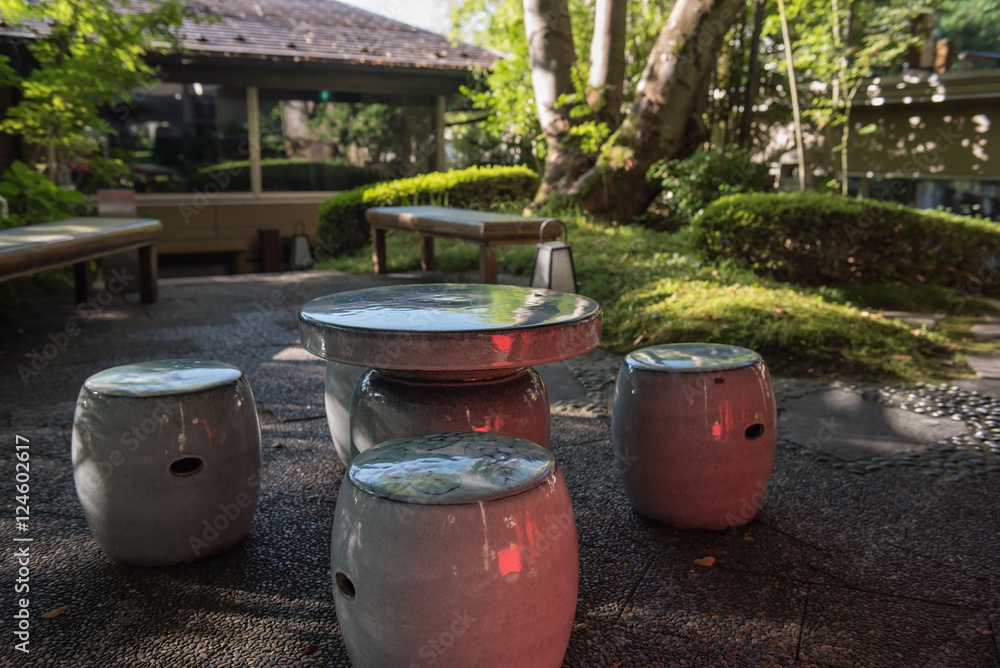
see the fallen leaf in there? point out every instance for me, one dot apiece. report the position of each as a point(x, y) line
point(52, 614)
point(309, 649)
point(706, 562)
point(748, 536)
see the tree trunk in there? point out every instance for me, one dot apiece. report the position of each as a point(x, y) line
point(550, 49)
point(300, 139)
point(793, 88)
point(607, 61)
point(753, 80)
point(665, 121)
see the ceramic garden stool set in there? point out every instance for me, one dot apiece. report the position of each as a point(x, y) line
point(693, 429)
point(458, 548)
point(413, 359)
point(166, 460)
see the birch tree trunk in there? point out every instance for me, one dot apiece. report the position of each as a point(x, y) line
point(665, 121)
point(550, 49)
point(607, 61)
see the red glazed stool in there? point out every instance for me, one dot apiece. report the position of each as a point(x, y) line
point(455, 549)
point(693, 429)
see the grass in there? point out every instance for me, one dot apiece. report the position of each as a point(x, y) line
point(654, 289)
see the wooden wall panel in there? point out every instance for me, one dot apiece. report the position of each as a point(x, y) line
point(224, 220)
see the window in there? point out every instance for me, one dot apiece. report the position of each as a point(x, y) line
point(319, 141)
point(174, 136)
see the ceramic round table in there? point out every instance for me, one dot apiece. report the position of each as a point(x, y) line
point(445, 357)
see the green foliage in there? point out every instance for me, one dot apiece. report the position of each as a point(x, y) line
point(32, 198)
point(837, 47)
point(469, 143)
point(689, 185)
point(506, 92)
point(814, 239)
point(342, 228)
point(591, 133)
point(970, 24)
point(99, 172)
point(89, 55)
point(287, 174)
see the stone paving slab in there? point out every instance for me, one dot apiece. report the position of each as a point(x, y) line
point(857, 628)
point(985, 366)
point(736, 618)
point(913, 318)
point(845, 425)
point(560, 382)
point(986, 330)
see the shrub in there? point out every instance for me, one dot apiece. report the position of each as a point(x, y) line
point(342, 224)
point(814, 239)
point(32, 198)
point(688, 186)
point(285, 174)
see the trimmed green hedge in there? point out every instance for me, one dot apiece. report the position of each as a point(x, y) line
point(285, 174)
point(814, 239)
point(342, 226)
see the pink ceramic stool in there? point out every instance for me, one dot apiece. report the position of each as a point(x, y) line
point(455, 549)
point(693, 428)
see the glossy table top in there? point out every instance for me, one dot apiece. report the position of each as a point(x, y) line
point(692, 357)
point(454, 467)
point(450, 327)
point(162, 378)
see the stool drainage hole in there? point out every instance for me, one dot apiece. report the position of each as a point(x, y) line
point(754, 431)
point(345, 585)
point(186, 466)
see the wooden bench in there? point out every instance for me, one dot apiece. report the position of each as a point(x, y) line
point(487, 229)
point(31, 248)
point(236, 249)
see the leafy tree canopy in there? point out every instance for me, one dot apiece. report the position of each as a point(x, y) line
point(971, 24)
point(88, 54)
point(506, 93)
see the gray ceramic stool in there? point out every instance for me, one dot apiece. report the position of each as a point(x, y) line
point(458, 548)
point(166, 459)
point(693, 429)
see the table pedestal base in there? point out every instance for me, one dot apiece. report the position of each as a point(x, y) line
point(338, 390)
point(388, 406)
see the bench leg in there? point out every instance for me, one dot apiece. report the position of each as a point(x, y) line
point(83, 281)
point(148, 287)
point(427, 253)
point(487, 263)
point(239, 262)
point(378, 251)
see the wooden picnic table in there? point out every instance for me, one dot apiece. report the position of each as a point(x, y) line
point(485, 228)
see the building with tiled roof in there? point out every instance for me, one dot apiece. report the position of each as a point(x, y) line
point(304, 41)
point(273, 105)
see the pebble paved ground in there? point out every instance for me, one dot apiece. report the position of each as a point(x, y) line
point(874, 561)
